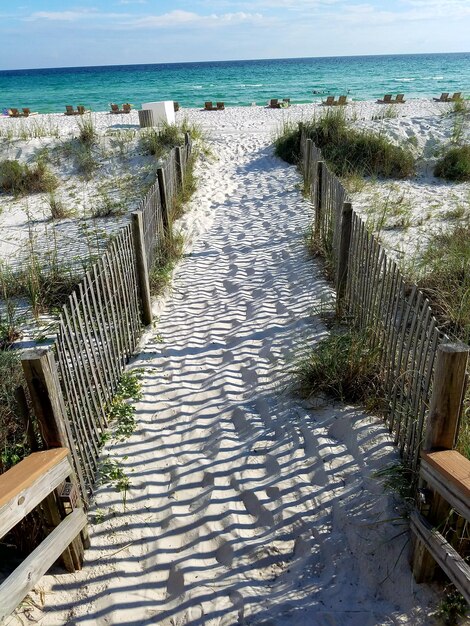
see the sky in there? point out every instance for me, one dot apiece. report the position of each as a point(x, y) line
point(58, 33)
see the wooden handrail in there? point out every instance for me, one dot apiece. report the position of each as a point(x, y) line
point(32, 481)
point(24, 473)
point(448, 473)
point(26, 484)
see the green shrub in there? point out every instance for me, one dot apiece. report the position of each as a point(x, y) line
point(364, 152)
point(348, 151)
point(13, 442)
point(455, 164)
point(287, 144)
point(87, 132)
point(158, 142)
point(169, 252)
point(19, 178)
point(343, 366)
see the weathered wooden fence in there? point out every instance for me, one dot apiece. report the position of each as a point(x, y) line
point(424, 375)
point(374, 294)
point(99, 328)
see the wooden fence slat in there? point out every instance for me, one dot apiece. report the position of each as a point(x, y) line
point(91, 328)
point(107, 320)
point(81, 355)
point(102, 331)
point(92, 380)
point(74, 409)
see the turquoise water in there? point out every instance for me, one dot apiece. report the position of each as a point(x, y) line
point(236, 82)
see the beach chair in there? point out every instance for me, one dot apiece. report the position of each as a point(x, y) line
point(342, 100)
point(387, 99)
point(81, 110)
point(220, 106)
point(69, 110)
point(27, 112)
point(399, 99)
point(444, 97)
point(208, 106)
point(330, 101)
point(114, 108)
point(457, 96)
point(126, 107)
point(13, 113)
point(285, 103)
point(274, 103)
point(176, 106)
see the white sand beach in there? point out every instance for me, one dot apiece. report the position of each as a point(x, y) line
point(246, 505)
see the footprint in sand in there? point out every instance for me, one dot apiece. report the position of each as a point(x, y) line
point(224, 554)
point(274, 493)
point(256, 509)
point(230, 286)
point(271, 465)
point(175, 582)
point(242, 426)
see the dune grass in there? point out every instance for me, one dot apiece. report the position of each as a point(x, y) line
point(20, 179)
point(454, 164)
point(343, 366)
point(347, 150)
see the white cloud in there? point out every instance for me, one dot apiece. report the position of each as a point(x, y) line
point(183, 18)
point(59, 16)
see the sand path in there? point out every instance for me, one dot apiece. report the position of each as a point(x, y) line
point(244, 506)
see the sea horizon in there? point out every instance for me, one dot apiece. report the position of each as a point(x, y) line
point(210, 61)
point(240, 82)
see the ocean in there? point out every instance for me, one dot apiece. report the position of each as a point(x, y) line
point(236, 82)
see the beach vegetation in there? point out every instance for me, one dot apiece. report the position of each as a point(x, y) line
point(346, 149)
point(342, 366)
point(187, 189)
point(87, 134)
point(120, 411)
point(14, 445)
point(387, 113)
point(363, 152)
point(454, 165)
point(287, 143)
point(453, 607)
point(57, 207)
point(108, 205)
point(111, 472)
point(158, 141)
point(169, 252)
point(20, 178)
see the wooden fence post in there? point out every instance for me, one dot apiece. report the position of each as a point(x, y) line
point(40, 371)
point(343, 253)
point(307, 162)
point(318, 199)
point(179, 165)
point(142, 269)
point(163, 198)
point(441, 434)
point(449, 386)
point(41, 376)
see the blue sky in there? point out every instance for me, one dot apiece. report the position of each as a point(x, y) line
point(53, 33)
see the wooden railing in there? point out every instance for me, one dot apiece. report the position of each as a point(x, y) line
point(43, 479)
point(445, 479)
